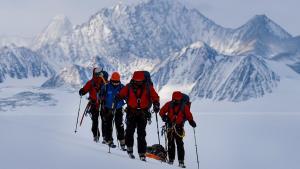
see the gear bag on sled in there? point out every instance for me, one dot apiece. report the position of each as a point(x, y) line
point(157, 152)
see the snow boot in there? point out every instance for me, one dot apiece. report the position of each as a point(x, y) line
point(96, 139)
point(111, 144)
point(171, 162)
point(122, 143)
point(181, 164)
point(131, 155)
point(142, 157)
point(130, 152)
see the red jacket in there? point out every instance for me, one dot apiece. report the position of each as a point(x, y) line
point(93, 87)
point(132, 97)
point(182, 116)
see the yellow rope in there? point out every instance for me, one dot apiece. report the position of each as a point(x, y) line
point(173, 129)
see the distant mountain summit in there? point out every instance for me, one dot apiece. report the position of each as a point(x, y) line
point(177, 44)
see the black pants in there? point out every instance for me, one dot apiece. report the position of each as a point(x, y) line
point(95, 115)
point(136, 120)
point(172, 139)
point(108, 126)
point(102, 124)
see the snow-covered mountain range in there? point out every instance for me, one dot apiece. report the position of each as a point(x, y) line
point(177, 44)
point(21, 62)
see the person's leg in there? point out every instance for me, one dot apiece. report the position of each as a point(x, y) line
point(102, 124)
point(107, 118)
point(141, 133)
point(130, 128)
point(119, 125)
point(171, 146)
point(180, 146)
point(95, 130)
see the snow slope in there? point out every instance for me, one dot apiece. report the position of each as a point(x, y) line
point(40, 136)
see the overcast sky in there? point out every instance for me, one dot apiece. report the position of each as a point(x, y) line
point(28, 17)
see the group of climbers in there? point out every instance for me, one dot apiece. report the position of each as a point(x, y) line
point(107, 99)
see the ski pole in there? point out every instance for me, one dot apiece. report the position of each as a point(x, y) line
point(196, 147)
point(157, 128)
point(78, 114)
point(113, 120)
point(86, 109)
point(98, 131)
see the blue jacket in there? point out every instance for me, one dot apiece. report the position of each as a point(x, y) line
point(108, 93)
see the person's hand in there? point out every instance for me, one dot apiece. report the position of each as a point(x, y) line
point(193, 123)
point(81, 92)
point(156, 107)
point(165, 118)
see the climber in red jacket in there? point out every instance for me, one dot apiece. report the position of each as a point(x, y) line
point(93, 87)
point(174, 113)
point(139, 95)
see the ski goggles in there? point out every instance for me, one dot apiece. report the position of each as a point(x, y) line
point(115, 83)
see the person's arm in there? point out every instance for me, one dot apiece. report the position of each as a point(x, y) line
point(122, 94)
point(154, 95)
point(189, 116)
point(163, 111)
point(85, 88)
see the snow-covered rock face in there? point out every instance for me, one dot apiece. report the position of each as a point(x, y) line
point(58, 27)
point(209, 75)
point(20, 62)
point(74, 75)
point(236, 78)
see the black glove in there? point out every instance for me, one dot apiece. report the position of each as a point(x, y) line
point(81, 92)
point(156, 106)
point(193, 123)
point(165, 118)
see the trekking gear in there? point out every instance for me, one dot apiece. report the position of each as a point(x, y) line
point(196, 147)
point(115, 83)
point(112, 145)
point(109, 93)
point(156, 107)
point(78, 114)
point(142, 157)
point(157, 128)
point(177, 95)
point(96, 139)
point(123, 147)
point(131, 155)
point(181, 164)
point(86, 110)
point(139, 78)
point(113, 123)
point(104, 75)
point(115, 76)
point(193, 123)
point(97, 72)
point(165, 118)
point(81, 92)
point(157, 152)
point(171, 162)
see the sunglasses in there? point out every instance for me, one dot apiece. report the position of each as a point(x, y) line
point(115, 82)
